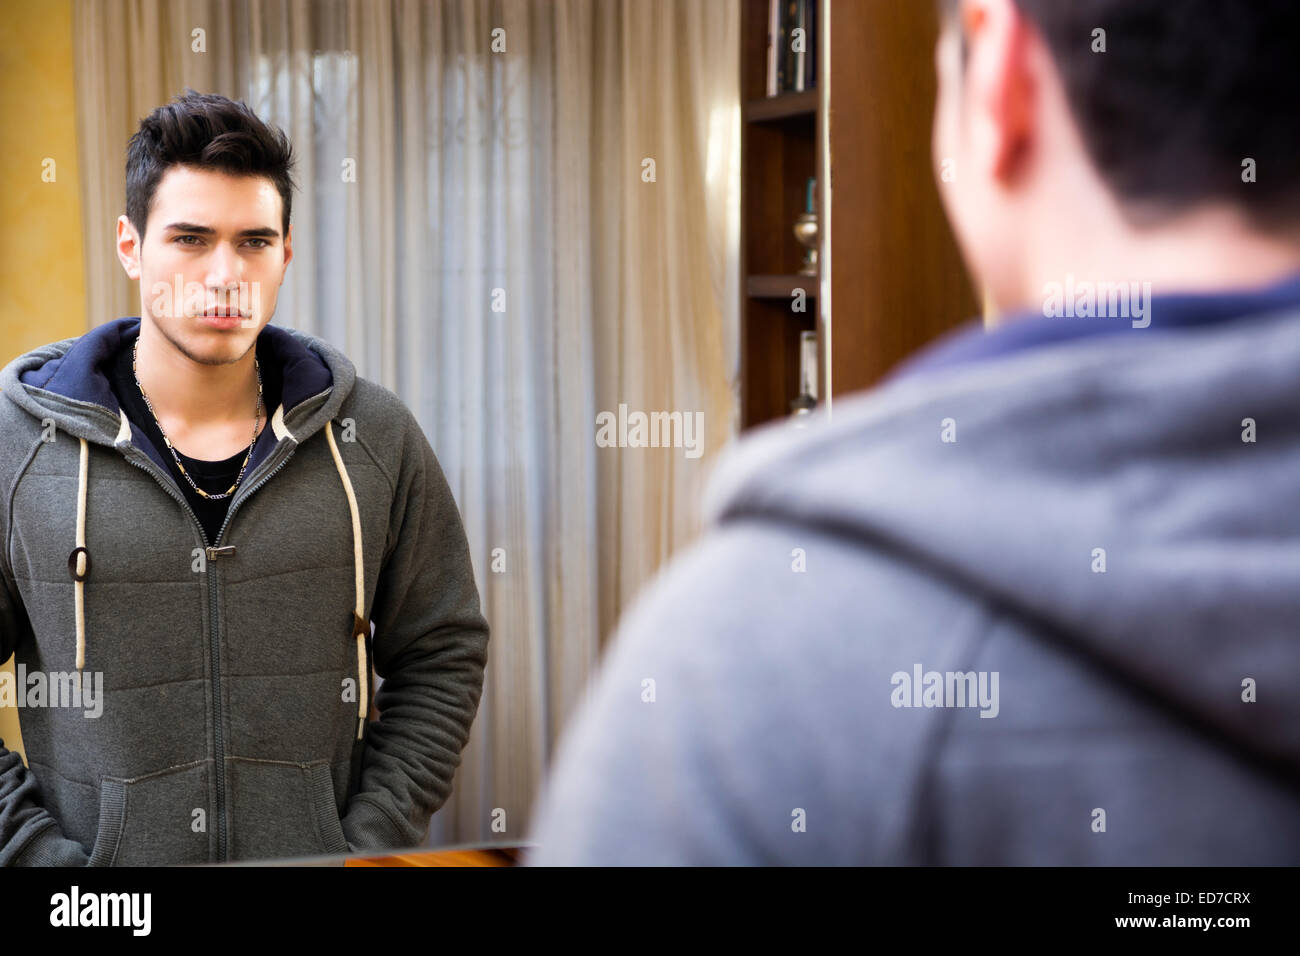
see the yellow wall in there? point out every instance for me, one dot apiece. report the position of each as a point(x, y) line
point(42, 287)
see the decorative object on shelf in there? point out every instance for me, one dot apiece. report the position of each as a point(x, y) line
point(805, 230)
point(806, 400)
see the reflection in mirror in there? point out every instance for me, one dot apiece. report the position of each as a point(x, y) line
point(330, 490)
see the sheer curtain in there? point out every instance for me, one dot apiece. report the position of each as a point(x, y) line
point(475, 230)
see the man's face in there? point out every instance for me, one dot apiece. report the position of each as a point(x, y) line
point(211, 263)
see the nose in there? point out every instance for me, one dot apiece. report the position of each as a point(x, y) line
point(225, 268)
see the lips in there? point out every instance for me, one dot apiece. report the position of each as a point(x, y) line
point(225, 322)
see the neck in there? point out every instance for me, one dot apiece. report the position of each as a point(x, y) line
point(193, 393)
point(1210, 250)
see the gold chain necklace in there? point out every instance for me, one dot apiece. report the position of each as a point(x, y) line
point(257, 419)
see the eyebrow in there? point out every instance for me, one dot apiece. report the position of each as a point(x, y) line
point(264, 232)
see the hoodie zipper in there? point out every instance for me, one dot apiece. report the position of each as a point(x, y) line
point(150, 466)
point(219, 767)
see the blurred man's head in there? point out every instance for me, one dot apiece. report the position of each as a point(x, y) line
point(1117, 140)
point(208, 193)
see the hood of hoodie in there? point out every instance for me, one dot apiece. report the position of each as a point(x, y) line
point(1126, 449)
point(67, 382)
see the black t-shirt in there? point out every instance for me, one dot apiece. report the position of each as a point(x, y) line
point(213, 477)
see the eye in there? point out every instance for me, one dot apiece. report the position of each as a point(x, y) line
point(263, 242)
point(180, 239)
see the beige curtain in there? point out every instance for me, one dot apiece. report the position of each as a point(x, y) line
point(476, 173)
point(666, 82)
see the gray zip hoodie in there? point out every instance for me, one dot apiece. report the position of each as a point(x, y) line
point(184, 700)
point(1043, 608)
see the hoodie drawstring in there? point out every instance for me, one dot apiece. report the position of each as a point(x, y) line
point(360, 627)
point(79, 560)
point(79, 568)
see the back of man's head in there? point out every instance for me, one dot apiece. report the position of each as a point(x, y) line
point(1118, 121)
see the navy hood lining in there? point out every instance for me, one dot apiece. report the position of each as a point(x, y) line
point(972, 342)
point(79, 373)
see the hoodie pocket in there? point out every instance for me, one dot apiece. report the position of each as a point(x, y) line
point(152, 819)
point(281, 809)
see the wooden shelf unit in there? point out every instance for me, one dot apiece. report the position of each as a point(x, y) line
point(897, 280)
point(779, 153)
point(781, 286)
point(766, 109)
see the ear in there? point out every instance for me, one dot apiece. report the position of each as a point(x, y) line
point(1001, 85)
point(288, 248)
point(128, 247)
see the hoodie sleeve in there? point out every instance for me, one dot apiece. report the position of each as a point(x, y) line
point(29, 833)
point(430, 648)
point(654, 768)
point(742, 714)
point(672, 759)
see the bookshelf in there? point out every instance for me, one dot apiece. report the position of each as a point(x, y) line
point(895, 276)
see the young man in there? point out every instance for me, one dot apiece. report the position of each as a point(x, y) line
point(213, 528)
point(1035, 600)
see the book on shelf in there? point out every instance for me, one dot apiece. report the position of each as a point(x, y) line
point(810, 73)
point(773, 45)
point(808, 363)
point(800, 50)
point(806, 400)
point(791, 46)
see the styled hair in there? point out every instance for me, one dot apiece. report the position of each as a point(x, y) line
point(210, 132)
point(1184, 95)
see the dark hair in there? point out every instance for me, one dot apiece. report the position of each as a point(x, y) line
point(1184, 93)
point(205, 131)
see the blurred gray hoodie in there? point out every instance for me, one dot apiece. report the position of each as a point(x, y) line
point(1035, 600)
